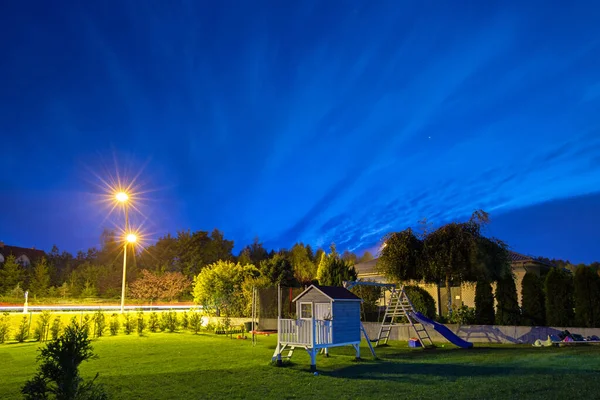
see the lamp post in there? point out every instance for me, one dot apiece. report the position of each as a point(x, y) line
point(123, 198)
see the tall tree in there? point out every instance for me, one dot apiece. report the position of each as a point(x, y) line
point(333, 271)
point(559, 298)
point(318, 255)
point(533, 302)
point(304, 269)
point(11, 274)
point(40, 278)
point(484, 303)
point(587, 297)
point(220, 286)
point(449, 254)
point(401, 257)
point(310, 253)
point(244, 256)
point(367, 256)
point(278, 270)
point(349, 257)
point(257, 252)
point(508, 311)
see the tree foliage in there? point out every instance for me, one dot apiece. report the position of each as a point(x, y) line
point(40, 279)
point(421, 300)
point(160, 286)
point(559, 298)
point(401, 257)
point(484, 303)
point(278, 270)
point(219, 286)
point(508, 311)
point(11, 274)
point(451, 254)
point(587, 297)
point(333, 271)
point(305, 271)
point(370, 304)
point(532, 299)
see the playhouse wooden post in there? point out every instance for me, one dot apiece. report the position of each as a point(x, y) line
point(313, 359)
point(279, 361)
point(357, 347)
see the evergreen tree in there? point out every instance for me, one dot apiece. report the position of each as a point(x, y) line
point(333, 271)
point(484, 303)
point(508, 312)
point(40, 279)
point(559, 298)
point(278, 270)
point(533, 302)
point(587, 298)
point(11, 275)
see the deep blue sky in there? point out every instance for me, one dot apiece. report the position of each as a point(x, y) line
point(317, 121)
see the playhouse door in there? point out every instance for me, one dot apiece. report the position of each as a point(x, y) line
point(323, 311)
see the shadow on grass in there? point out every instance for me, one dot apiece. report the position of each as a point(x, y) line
point(390, 371)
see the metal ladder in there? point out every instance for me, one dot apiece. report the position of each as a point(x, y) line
point(401, 306)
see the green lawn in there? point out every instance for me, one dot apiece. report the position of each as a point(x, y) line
point(206, 366)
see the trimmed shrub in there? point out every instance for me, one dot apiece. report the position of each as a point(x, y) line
point(587, 297)
point(40, 333)
point(4, 327)
point(58, 375)
point(153, 324)
point(99, 323)
point(128, 324)
point(86, 324)
point(55, 328)
point(533, 307)
point(484, 304)
point(141, 323)
point(195, 322)
point(184, 320)
point(169, 321)
point(508, 312)
point(421, 300)
point(559, 298)
point(114, 324)
point(463, 315)
point(370, 304)
point(23, 330)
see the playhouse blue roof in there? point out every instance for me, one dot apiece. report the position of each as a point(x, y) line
point(333, 292)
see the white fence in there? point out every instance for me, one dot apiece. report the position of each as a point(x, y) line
point(305, 332)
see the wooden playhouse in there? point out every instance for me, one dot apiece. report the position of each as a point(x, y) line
point(326, 316)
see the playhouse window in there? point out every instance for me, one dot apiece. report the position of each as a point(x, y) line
point(306, 310)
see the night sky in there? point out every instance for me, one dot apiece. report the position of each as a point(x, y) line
point(312, 121)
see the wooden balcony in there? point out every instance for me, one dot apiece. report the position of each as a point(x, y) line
point(305, 332)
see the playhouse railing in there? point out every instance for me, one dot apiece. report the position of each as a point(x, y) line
point(299, 332)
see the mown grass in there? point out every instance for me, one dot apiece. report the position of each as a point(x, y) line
point(206, 366)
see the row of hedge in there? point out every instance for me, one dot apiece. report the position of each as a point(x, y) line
point(560, 299)
point(50, 326)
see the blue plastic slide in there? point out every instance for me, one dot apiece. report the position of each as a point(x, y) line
point(443, 330)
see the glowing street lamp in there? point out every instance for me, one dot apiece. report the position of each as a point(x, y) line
point(123, 198)
point(131, 238)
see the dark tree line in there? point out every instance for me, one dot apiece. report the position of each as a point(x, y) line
point(166, 264)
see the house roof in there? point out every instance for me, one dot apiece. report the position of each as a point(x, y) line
point(367, 267)
point(335, 293)
point(520, 258)
point(31, 253)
